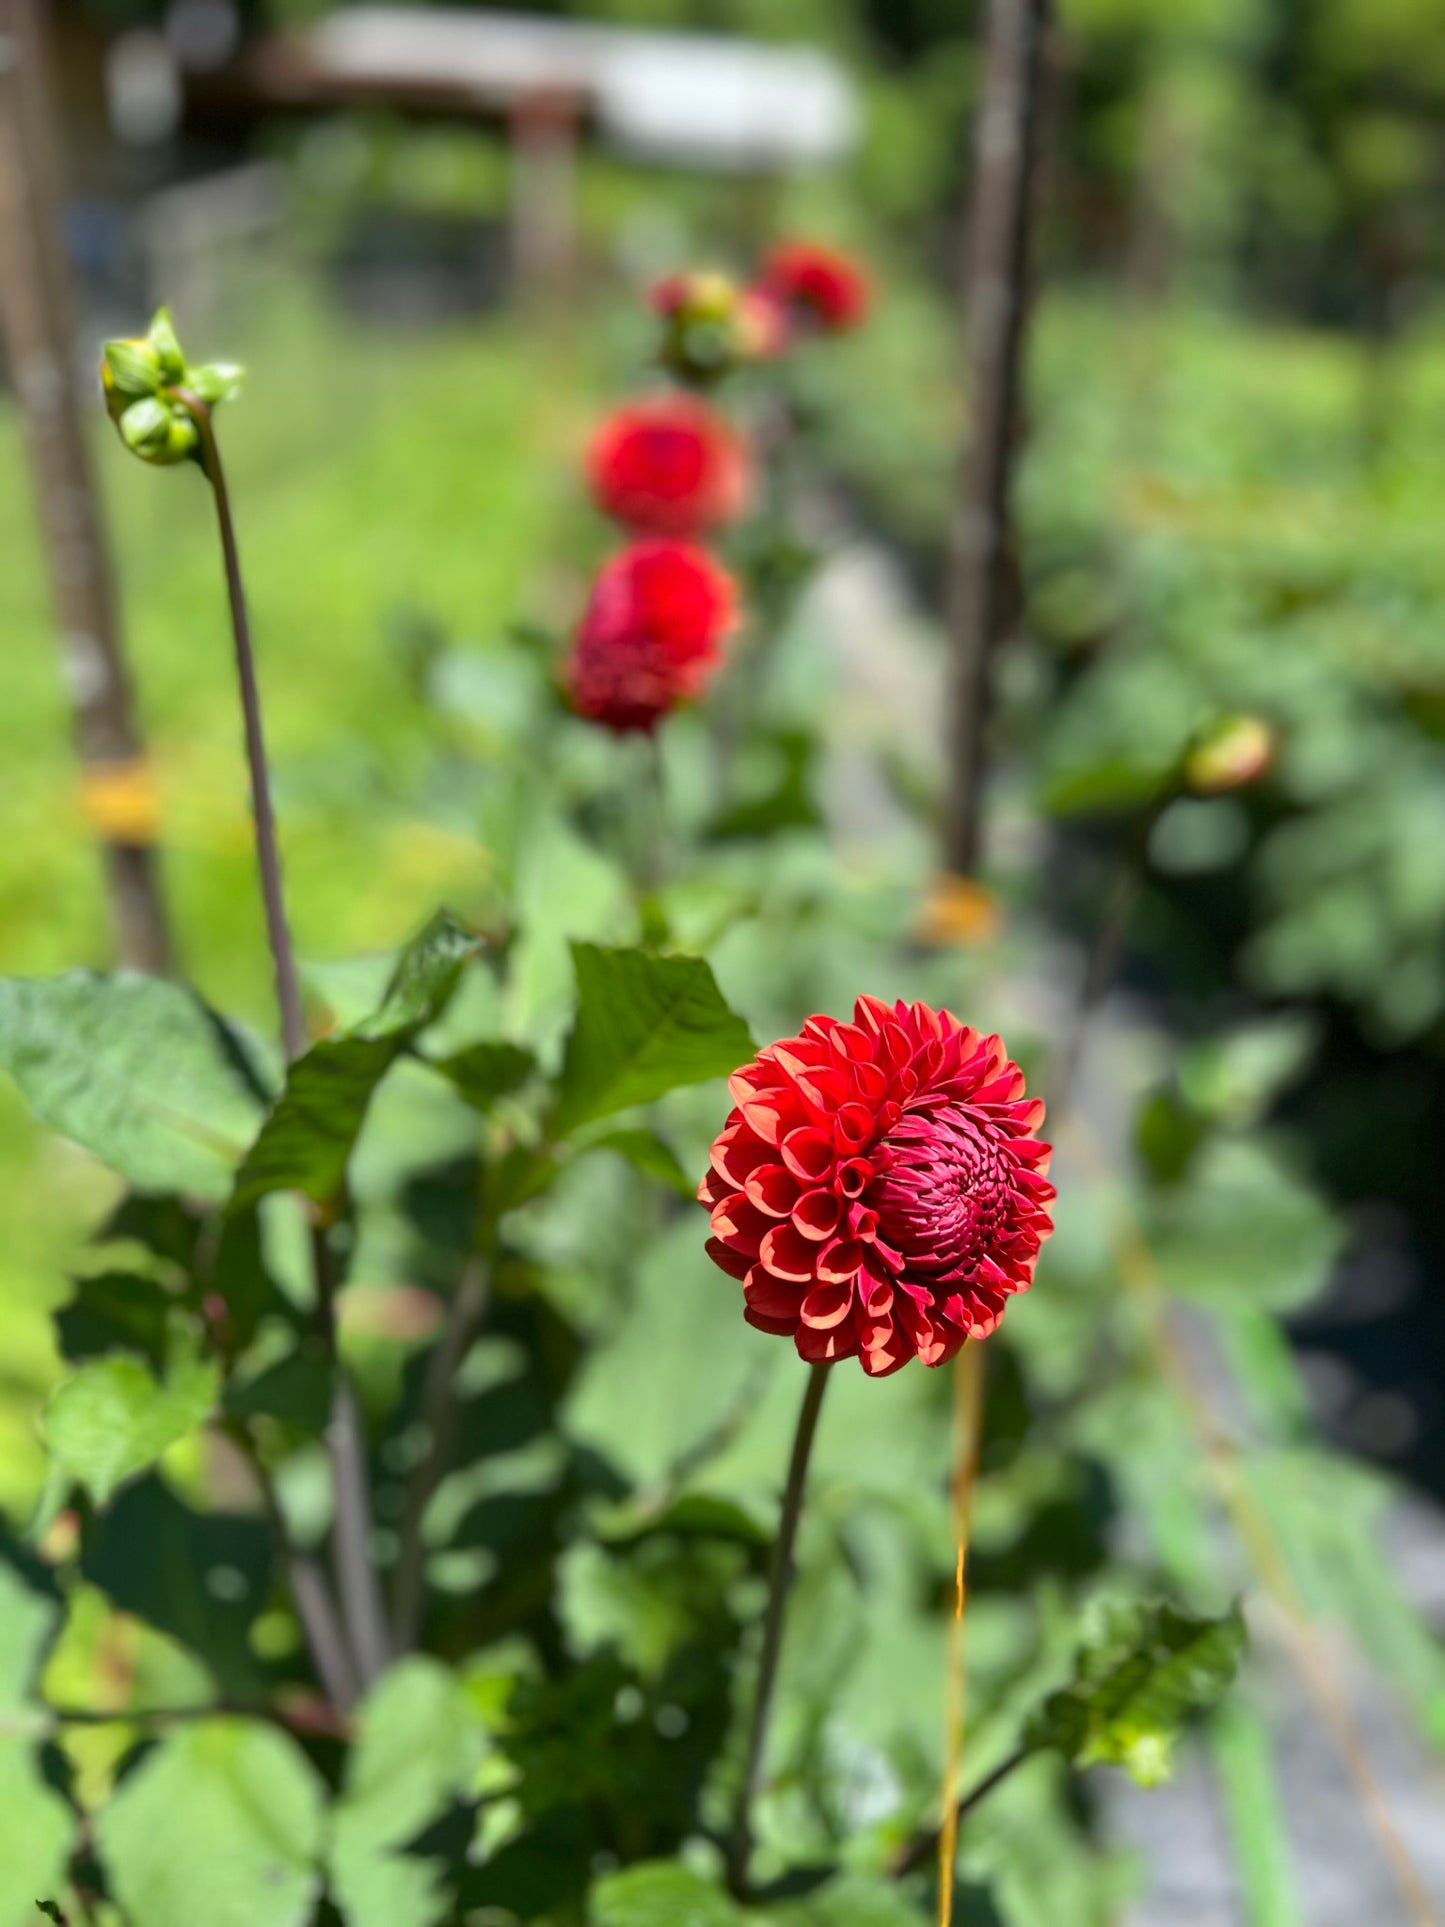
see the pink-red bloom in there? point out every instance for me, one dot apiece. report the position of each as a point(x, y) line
point(669, 465)
point(651, 634)
point(817, 285)
point(880, 1188)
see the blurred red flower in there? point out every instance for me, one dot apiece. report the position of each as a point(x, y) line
point(880, 1187)
point(818, 285)
point(651, 634)
point(669, 465)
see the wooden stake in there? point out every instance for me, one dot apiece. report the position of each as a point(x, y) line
point(980, 590)
point(38, 336)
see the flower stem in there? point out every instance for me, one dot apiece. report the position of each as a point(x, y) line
point(923, 1846)
point(359, 1588)
point(278, 933)
point(439, 1402)
point(740, 1845)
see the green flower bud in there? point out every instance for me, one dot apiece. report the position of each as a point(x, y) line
point(1228, 753)
point(216, 381)
point(128, 370)
point(162, 338)
point(158, 431)
point(145, 379)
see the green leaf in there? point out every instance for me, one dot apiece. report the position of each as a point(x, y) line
point(427, 973)
point(1142, 1669)
point(1243, 1227)
point(660, 1893)
point(138, 1071)
point(36, 1828)
point(484, 1072)
point(115, 1311)
point(35, 1823)
point(221, 1825)
point(297, 1390)
point(306, 1142)
point(647, 1152)
point(112, 1420)
point(420, 1745)
point(201, 1578)
point(645, 1025)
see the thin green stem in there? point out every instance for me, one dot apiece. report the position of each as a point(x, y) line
point(362, 1607)
point(740, 1846)
point(314, 1606)
point(439, 1402)
point(924, 1846)
point(268, 858)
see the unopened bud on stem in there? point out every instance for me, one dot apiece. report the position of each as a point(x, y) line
point(150, 391)
point(1228, 753)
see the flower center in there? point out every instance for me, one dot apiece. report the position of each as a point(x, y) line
point(941, 1192)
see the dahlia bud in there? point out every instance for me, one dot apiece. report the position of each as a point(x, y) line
point(819, 287)
point(880, 1188)
point(704, 337)
point(1228, 753)
point(150, 389)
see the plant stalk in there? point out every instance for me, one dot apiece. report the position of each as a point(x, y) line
point(268, 859)
point(362, 1607)
point(439, 1403)
point(314, 1606)
point(740, 1845)
point(925, 1846)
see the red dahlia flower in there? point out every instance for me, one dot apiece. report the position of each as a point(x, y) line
point(668, 466)
point(880, 1189)
point(651, 633)
point(819, 284)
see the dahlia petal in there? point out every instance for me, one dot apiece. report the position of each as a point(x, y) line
point(770, 1115)
point(713, 1188)
point(871, 1014)
point(808, 1154)
point(854, 1177)
point(739, 1223)
point(878, 1299)
point(773, 1190)
point(826, 1306)
point(769, 1297)
point(738, 1153)
point(837, 1263)
point(775, 1327)
point(816, 1214)
point(852, 1129)
point(821, 1347)
point(735, 1263)
point(787, 1253)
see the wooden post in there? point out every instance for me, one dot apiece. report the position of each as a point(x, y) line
point(544, 191)
point(980, 587)
point(38, 335)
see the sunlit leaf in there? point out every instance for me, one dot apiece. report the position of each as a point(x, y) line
point(112, 1419)
point(645, 1024)
point(222, 1824)
point(138, 1071)
point(1142, 1670)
